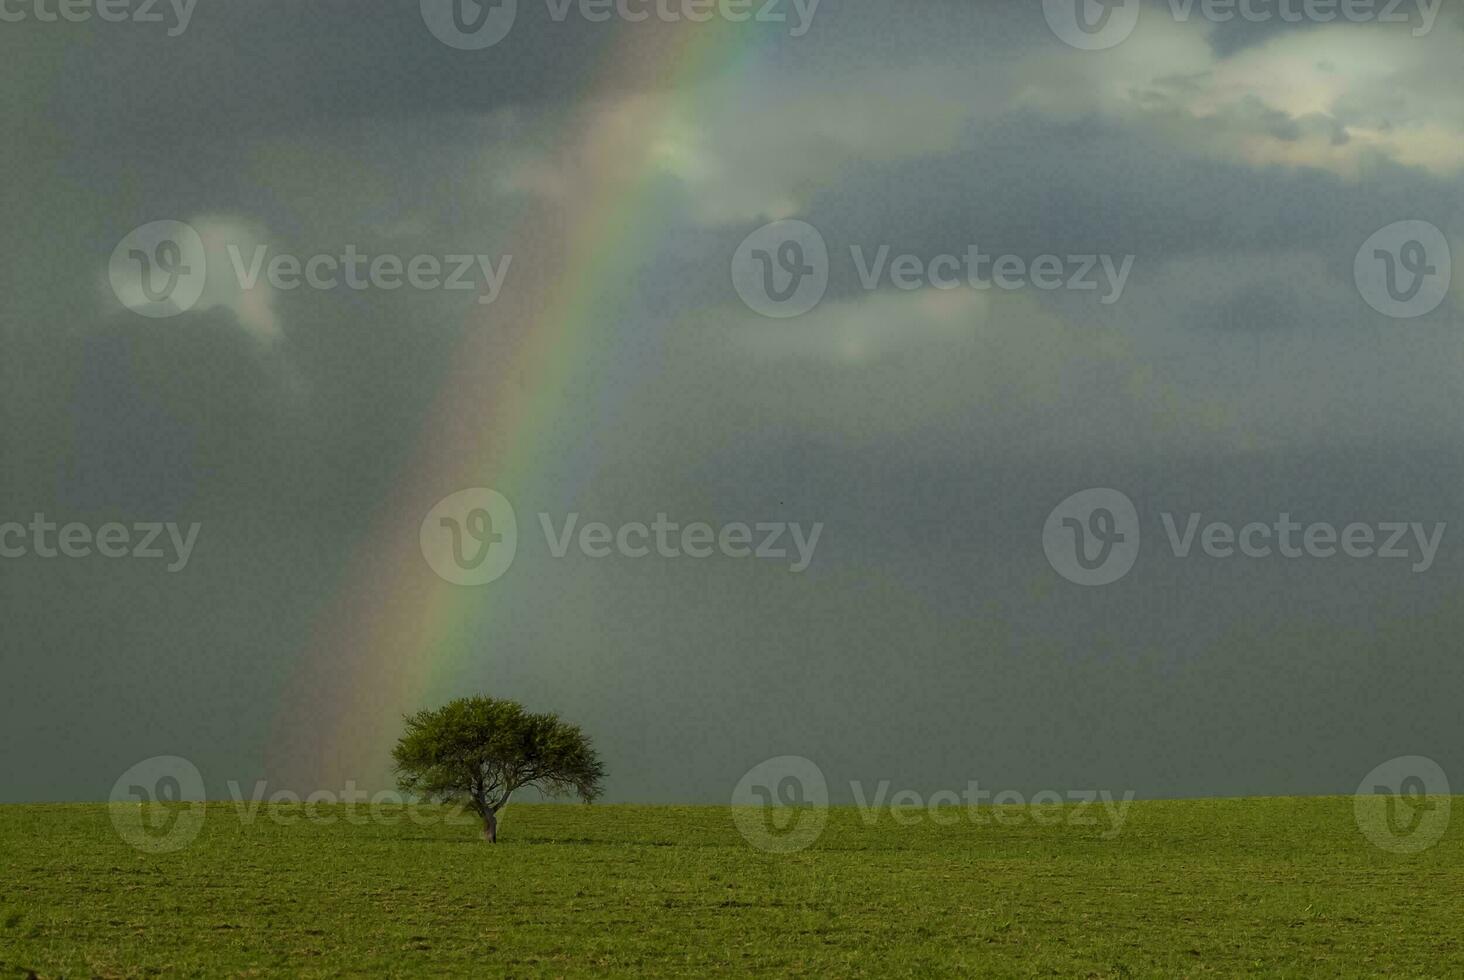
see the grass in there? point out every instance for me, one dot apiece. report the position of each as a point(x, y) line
point(1266, 887)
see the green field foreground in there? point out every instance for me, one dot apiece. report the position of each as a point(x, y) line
point(1267, 887)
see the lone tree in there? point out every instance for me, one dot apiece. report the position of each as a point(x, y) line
point(478, 751)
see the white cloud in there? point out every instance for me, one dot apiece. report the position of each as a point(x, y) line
point(1336, 97)
point(228, 241)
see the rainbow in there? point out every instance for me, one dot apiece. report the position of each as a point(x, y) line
point(394, 637)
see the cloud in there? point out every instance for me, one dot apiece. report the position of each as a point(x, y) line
point(228, 243)
point(755, 151)
point(1340, 98)
point(995, 373)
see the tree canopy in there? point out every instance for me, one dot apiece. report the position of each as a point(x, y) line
point(479, 751)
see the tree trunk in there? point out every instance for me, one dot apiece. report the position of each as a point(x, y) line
point(490, 827)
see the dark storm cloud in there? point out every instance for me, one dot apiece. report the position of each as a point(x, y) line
point(267, 66)
point(930, 642)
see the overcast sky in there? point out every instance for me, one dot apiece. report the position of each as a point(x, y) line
point(1241, 372)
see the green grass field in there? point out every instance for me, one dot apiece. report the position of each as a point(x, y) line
point(1273, 887)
